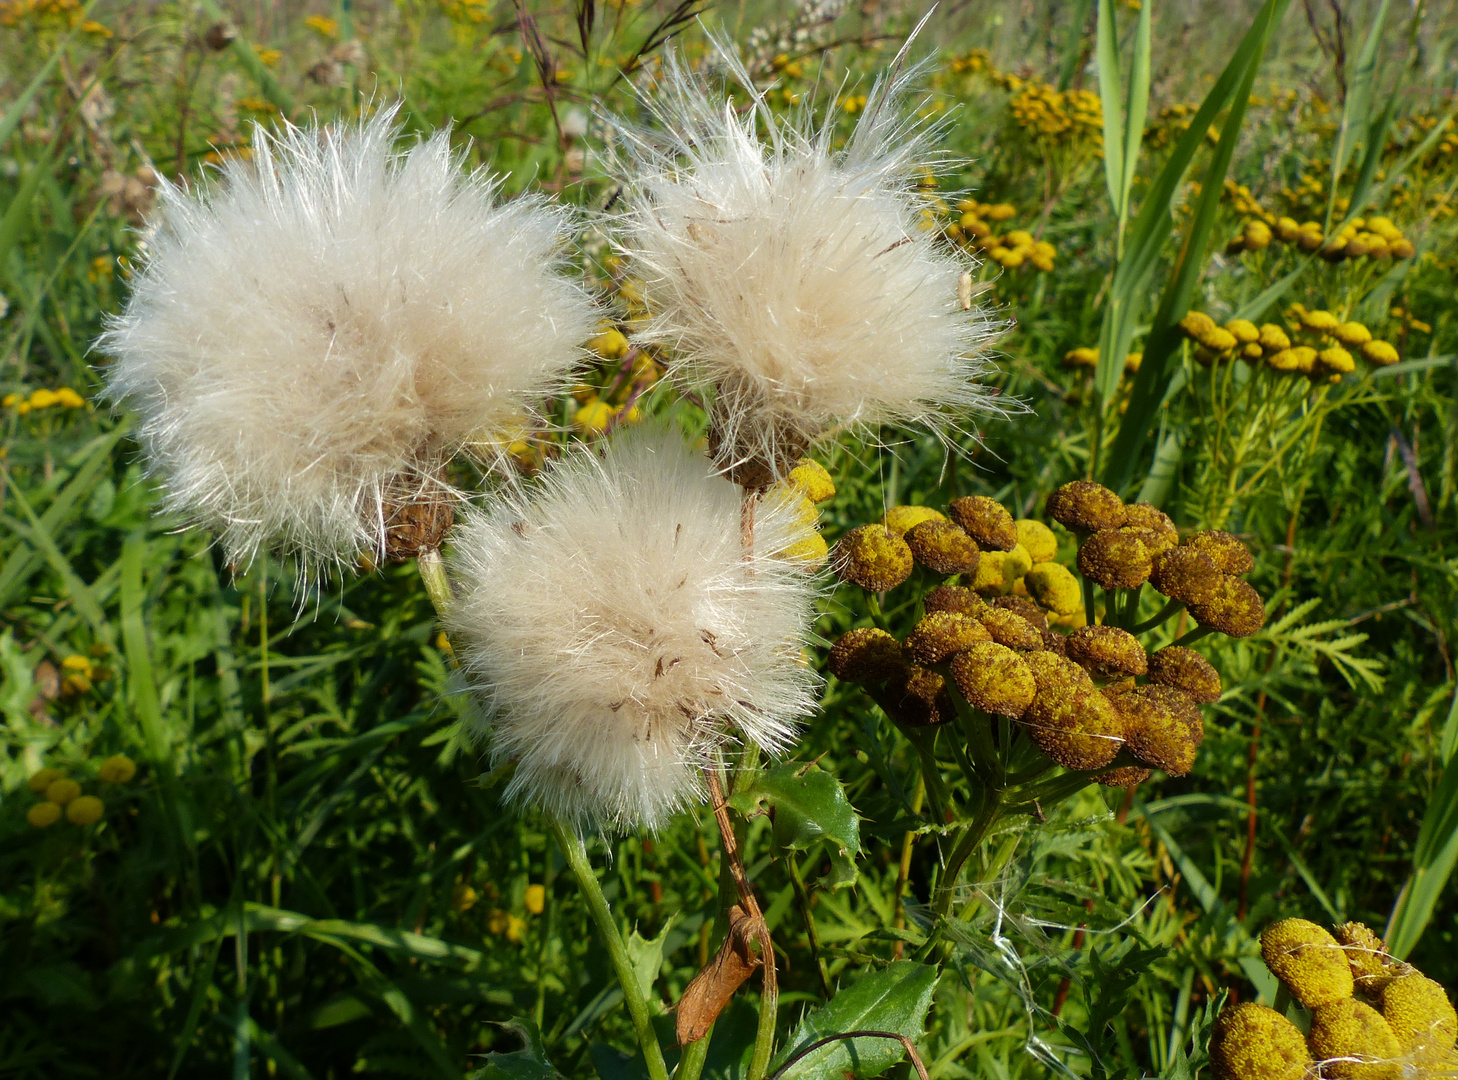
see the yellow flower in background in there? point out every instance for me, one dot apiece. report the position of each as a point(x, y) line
point(324, 25)
point(61, 792)
point(85, 810)
point(43, 815)
point(535, 899)
point(117, 769)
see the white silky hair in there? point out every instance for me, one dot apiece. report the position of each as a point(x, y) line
point(325, 326)
point(619, 636)
point(796, 280)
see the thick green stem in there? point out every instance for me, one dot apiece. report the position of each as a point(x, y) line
point(969, 841)
point(576, 854)
point(1169, 611)
point(802, 898)
point(1194, 635)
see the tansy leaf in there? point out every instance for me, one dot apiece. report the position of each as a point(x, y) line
point(528, 1064)
point(809, 805)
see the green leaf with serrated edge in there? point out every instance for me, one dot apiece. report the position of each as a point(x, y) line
point(809, 806)
point(527, 1064)
point(894, 1000)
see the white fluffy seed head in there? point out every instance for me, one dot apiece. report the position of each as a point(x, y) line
point(796, 281)
point(619, 637)
point(318, 333)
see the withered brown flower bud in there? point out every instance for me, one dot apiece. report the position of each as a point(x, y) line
point(994, 679)
point(1086, 506)
point(866, 655)
point(940, 635)
point(918, 698)
point(1186, 670)
point(1163, 726)
point(872, 557)
point(1186, 575)
point(417, 517)
point(1125, 777)
point(943, 548)
point(1147, 516)
point(986, 521)
point(1021, 605)
point(953, 598)
point(1228, 553)
point(1010, 629)
point(1372, 966)
point(1107, 651)
point(1116, 558)
point(1069, 719)
point(1234, 608)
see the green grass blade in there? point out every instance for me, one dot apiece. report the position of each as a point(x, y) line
point(140, 676)
point(1137, 109)
point(1434, 857)
point(1254, 310)
point(1358, 106)
point(1107, 49)
point(1073, 44)
point(1149, 384)
point(11, 120)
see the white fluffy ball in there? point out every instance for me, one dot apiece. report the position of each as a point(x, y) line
point(797, 281)
point(618, 635)
point(319, 332)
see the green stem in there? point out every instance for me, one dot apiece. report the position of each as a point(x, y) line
point(433, 576)
point(969, 841)
point(597, 905)
point(1169, 611)
point(1194, 635)
point(802, 898)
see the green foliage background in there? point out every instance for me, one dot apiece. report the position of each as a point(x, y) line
point(284, 887)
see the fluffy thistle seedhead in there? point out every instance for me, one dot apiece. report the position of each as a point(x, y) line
point(1163, 726)
point(872, 557)
point(1252, 1042)
point(308, 341)
point(1354, 1042)
point(986, 521)
point(940, 635)
point(792, 279)
point(1185, 669)
point(1117, 558)
point(943, 548)
point(866, 655)
point(995, 679)
point(1309, 961)
point(618, 635)
point(1107, 651)
point(1086, 506)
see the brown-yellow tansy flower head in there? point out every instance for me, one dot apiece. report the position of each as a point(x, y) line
point(1086, 506)
point(986, 521)
point(995, 679)
point(873, 557)
point(866, 655)
point(1054, 587)
point(942, 634)
point(1309, 961)
point(1252, 1042)
point(943, 547)
point(1185, 669)
point(1107, 651)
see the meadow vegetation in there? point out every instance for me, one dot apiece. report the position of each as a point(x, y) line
point(244, 829)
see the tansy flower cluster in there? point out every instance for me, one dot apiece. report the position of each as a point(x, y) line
point(1055, 116)
point(625, 375)
point(974, 226)
point(1372, 1017)
point(42, 399)
point(1374, 238)
point(62, 796)
point(1315, 344)
point(1087, 358)
point(991, 642)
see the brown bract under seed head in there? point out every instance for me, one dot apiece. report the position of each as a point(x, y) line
point(943, 548)
point(1235, 608)
point(994, 679)
point(1086, 506)
point(1186, 575)
point(872, 557)
point(866, 655)
point(940, 635)
point(1146, 516)
point(1227, 552)
point(1185, 669)
point(986, 521)
point(1107, 651)
point(1021, 605)
point(418, 523)
point(1010, 629)
point(1069, 719)
point(1163, 726)
point(1125, 777)
point(954, 598)
point(1116, 558)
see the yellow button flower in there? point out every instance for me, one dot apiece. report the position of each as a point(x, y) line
point(535, 899)
point(873, 557)
point(1037, 540)
point(901, 519)
point(61, 792)
point(85, 810)
point(117, 769)
point(1053, 586)
point(812, 480)
point(1252, 1042)
point(42, 399)
point(1309, 961)
point(44, 779)
point(43, 814)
